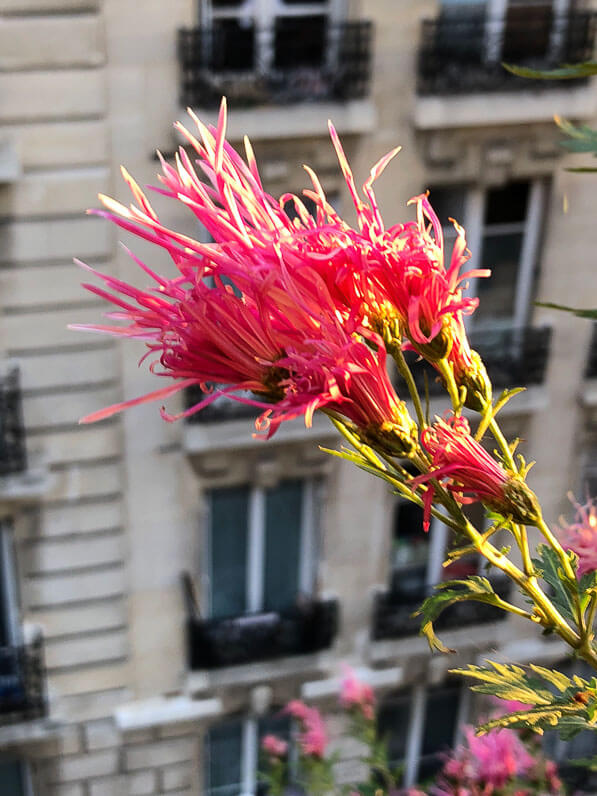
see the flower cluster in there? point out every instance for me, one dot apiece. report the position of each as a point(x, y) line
point(298, 312)
point(357, 695)
point(494, 764)
point(580, 536)
point(313, 737)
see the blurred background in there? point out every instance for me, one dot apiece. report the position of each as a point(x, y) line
point(166, 588)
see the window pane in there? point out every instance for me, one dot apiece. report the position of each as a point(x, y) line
point(448, 203)
point(283, 509)
point(223, 754)
point(410, 550)
point(11, 779)
point(229, 511)
point(441, 714)
point(233, 46)
point(393, 722)
point(507, 205)
point(497, 294)
point(299, 42)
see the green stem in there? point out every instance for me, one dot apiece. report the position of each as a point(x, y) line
point(503, 444)
point(445, 369)
point(405, 372)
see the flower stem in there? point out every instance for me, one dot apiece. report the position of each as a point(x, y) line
point(503, 443)
point(404, 370)
point(446, 371)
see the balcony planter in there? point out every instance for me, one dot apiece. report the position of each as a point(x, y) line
point(301, 630)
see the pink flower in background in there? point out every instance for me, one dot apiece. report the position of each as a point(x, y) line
point(470, 473)
point(488, 761)
point(580, 536)
point(313, 737)
point(274, 746)
point(354, 693)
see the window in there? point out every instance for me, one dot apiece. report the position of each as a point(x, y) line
point(15, 779)
point(257, 35)
point(261, 547)
point(417, 557)
point(517, 30)
point(503, 229)
point(232, 754)
point(418, 725)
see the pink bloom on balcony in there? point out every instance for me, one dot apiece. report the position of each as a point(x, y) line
point(580, 536)
point(471, 474)
point(274, 746)
point(313, 736)
point(354, 693)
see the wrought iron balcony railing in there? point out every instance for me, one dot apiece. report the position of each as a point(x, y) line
point(393, 612)
point(300, 630)
point(462, 51)
point(591, 369)
point(13, 456)
point(22, 682)
point(296, 60)
point(514, 357)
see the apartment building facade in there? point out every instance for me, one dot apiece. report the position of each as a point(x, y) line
point(166, 588)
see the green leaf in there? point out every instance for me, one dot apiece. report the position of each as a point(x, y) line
point(549, 568)
point(570, 710)
point(453, 591)
point(565, 72)
point(579, 313)
point(582, 170)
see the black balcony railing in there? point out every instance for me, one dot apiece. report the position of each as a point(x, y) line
point(462, 51)
point(591, 369)
point(393, 612)
point(300, 630)
point(514, 357)
point(13, 456)
point(297, 60)
point(22, 682)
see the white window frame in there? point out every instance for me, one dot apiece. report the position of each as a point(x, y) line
point(255, 564)
point(474, 212)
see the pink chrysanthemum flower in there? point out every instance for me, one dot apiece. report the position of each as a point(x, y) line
point(246, 313)
point(471, 474)
point(369, 279)
point(355, 694)
point(274, 746)
point(580, 536)
point(313, 736)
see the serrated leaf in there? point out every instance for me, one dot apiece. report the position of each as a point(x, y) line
point(570, 710)
point(565, 72)
point(557, 679)
point(453, 591)
point(549, 568)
